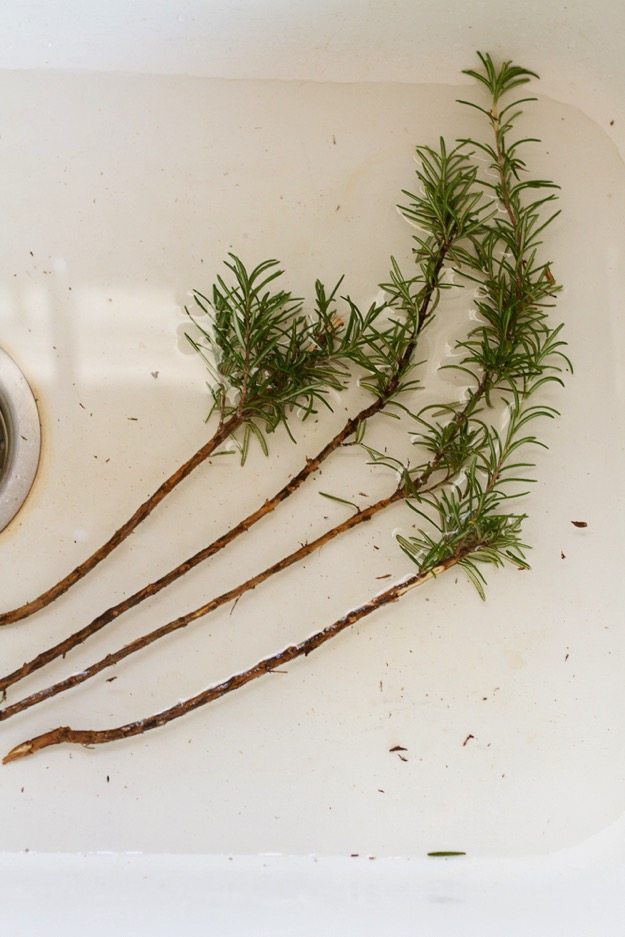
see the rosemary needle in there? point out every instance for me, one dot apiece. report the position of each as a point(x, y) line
point(445, 854)
point(265, 666)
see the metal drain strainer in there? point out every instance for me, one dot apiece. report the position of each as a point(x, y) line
point(4, 443)
point(20, 439)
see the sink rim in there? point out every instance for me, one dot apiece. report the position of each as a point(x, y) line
point(21, 419)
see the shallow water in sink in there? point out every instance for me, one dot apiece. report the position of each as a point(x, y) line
point(125, 193)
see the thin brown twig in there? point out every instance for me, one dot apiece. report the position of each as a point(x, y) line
point(96, 737)
point(501, 164)
point(65, 734)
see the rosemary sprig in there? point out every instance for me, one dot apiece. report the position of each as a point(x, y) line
point(453, 212)
point(264, 355)
point(271, 358)
point(512, 353)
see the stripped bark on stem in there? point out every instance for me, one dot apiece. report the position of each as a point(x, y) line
point(65, 734)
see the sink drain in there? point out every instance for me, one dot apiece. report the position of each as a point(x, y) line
point(4, 443)
point(20, 439)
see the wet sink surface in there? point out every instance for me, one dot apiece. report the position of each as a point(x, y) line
point(128, 193)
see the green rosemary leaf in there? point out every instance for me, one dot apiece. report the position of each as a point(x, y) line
point(472, 104)
point(325, 494)
point(514, 350)
point(253, 428)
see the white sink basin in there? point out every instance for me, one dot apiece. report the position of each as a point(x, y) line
point(137, 151)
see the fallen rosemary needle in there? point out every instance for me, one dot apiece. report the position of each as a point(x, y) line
point(451, 211)
point(510, 354)
point(445, 854)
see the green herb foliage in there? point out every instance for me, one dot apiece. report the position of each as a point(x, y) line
point(510, 354)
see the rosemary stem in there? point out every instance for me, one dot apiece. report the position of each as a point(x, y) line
point(65, 734)
point(501, 166)
point(182, 621)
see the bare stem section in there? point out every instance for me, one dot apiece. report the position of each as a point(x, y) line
point(177, 624)
point(64, 734)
